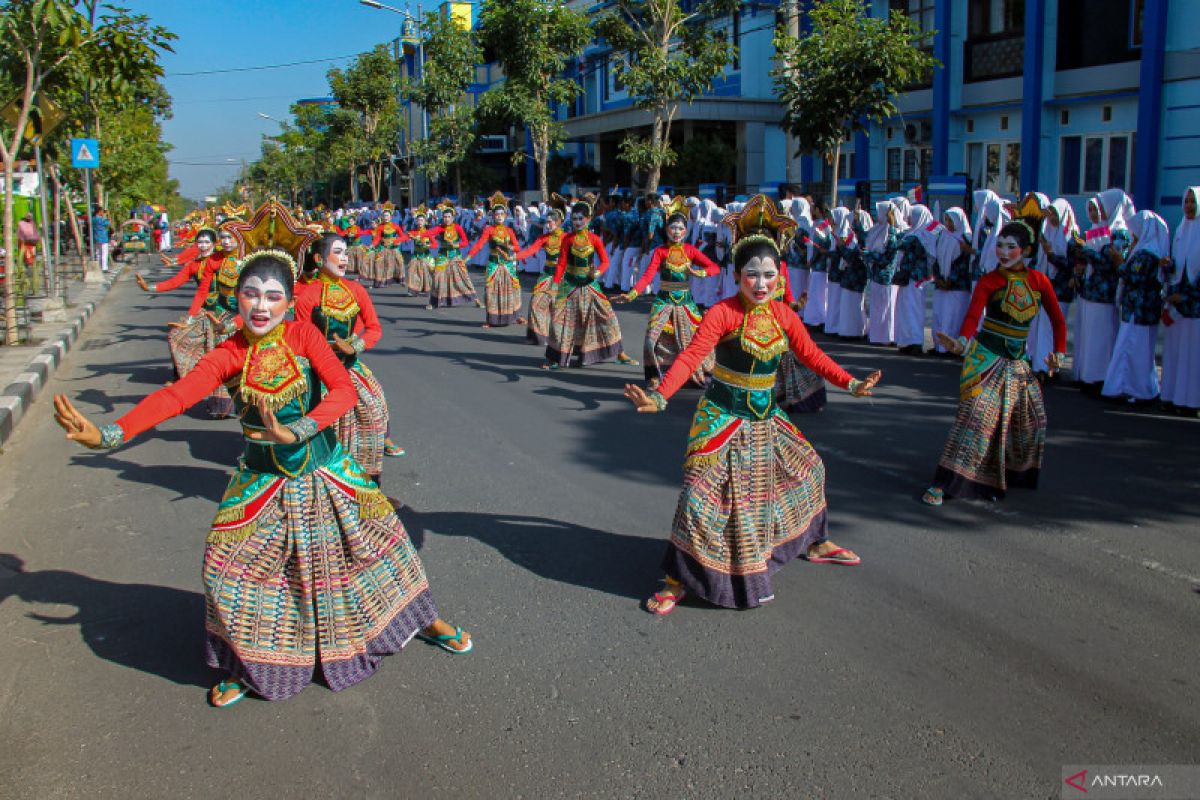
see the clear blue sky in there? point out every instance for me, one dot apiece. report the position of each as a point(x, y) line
point(216, 123)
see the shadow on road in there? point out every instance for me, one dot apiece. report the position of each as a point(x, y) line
point(153, 629)
point(612, 563)
point(186, 480)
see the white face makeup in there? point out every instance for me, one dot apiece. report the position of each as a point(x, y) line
point(226, 241)
point(676, 231)
point(758, 279)
point(578, 221)
point(387, 216)
point(335, 262)
point(204, 246)
point(448, 218)
point(499, 215)
point(551, 224)
point(262, 304)
point(1008, 250)
point(421, 223)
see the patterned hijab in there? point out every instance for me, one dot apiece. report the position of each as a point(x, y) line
point(949, 242)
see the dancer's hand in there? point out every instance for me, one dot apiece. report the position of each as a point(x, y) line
point(802, 301)
point(342, 345)
point(141, 282)
point(953, 345)
point(1054, 362)
point(166, 260)
point(274, 432)
point(214, 319)
point(177, 324)
point(863, 388)
point(78, 427)
point(642, 401)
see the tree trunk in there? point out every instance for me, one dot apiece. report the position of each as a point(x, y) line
point(458, 182)
point(656, 145)
point(353, 184)
point(11, 334)
point(541, 152)
point(57, 212)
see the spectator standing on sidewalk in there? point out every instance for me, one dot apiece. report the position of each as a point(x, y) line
point(27, 240)
point(100, 231)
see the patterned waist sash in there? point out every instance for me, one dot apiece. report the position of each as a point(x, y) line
point(744, 380)
point(673, 286)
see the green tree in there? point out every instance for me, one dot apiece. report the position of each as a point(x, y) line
point(368, 89)
point(845, 73)
point(666, 56)
point(535, 42)
point(448, 69)
point(703, 159)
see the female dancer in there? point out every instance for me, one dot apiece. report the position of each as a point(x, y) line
point(999, 434)
point(952, 276)
point(307, 565)
point(582, 324)
point(1181, 341)
point(502, 287)
point(674, 316)
point(541, 300)
point(451, 285)
point(753, 489)
point(1132, 372)
point(420, 266)
point(389, 264)
point(1104, 250)
point(343, 311)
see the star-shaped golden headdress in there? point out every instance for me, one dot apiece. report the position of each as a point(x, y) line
point(447, 205)
point(678, 205)
point(239, 211)
point(760, 220)
point(1029, 212)
point(420, 211)
point(272, 228)
point(497, 200)
point(588, 200)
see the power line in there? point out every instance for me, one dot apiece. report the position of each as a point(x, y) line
point(263, 66)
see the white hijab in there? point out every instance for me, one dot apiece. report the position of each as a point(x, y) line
point(903, 209)
point(878, 234)
point(949, 242)
point(865, 223)
point(1152, 234)
point(1118, 208)
point(924, 229)
point(982, 198)
point(1057, 236)
point(1186, 250)
point(841, 226)
point(994, 213)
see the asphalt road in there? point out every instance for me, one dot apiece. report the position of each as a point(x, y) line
point(978, 648)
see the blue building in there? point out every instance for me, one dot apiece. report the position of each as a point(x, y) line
point(1065, 96)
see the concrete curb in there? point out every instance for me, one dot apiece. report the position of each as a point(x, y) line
point(18, 396)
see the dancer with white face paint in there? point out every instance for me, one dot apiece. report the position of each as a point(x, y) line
point(727, 540)
point(502, 286)
point(344, 312)
point(999, 434)
point(301, 526)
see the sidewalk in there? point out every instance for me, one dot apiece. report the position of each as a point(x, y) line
point(25, 369)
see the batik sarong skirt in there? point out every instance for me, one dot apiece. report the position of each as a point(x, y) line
point(583, 323)
point(798, 388)
point(501, 296)
point(309, 572)
point(999, 434)
point(753, 499)
point(189, 344)
point(541, 306)
point(420, 281)
point(452, 285)
point(389, 265)
point(670, 330)
point(355, 256)
point(362, 430)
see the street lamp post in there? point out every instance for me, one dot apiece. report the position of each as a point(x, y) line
point(416, 23)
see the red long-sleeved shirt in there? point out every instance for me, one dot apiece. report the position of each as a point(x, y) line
point(226, 361)
point(995, 281)
point(660, 253)
point(377, 239)
point(487, 235)
point(565, 252)
point(462, 235)
point(538, 244)
point(725, 318)
point(366, 324)
point(426, 234)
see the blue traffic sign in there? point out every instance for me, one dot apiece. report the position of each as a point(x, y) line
point(85, 153)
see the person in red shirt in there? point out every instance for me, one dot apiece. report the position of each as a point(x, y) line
point(343, 311)
point(451, 285)
point(999, 434)
point(502, 287)
point(306, 566)
point(541, 300)
point(389, 263)
point(753, 493)
point(674, 316)
point(420, 265)
point(583, 324)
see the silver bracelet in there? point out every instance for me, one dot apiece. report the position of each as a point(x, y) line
point(304, 428)
point(111, 437)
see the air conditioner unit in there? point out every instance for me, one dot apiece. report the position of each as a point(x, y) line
point(493, 144)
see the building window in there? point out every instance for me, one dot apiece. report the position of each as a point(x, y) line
point(995, 166)
point(1003, 123)
point(1065, 117)
point(1106, 114)
point(919, 11)
point(970, 126)
point(736, 17)
point(1092, 33)
point(893, 165)
point(1137, 13)
point(995, 17)
point(1092, 164)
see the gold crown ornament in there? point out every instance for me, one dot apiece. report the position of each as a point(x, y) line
point(760, 221)
point(678, 205)
point(497, 200)
point(421, 211)
point(447, 205)
point(273, 228)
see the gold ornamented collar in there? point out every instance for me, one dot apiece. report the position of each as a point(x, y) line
point(1020, 301)
point(271, 372)
point(760, 334)
point(337, 301)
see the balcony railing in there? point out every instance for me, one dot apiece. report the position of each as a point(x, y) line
point(986, 58)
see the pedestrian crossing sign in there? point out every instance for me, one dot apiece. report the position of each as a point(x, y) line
point(85, 153)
